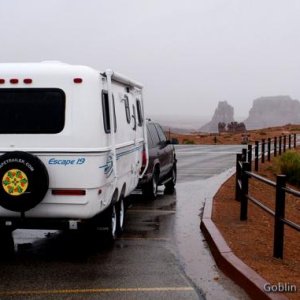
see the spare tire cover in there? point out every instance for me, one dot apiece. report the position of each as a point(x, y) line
point(24, 181)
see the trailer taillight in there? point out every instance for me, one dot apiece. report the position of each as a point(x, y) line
point(144, 158)
point(14, 81)
point(144, 161)
point(68, 192)
point(2, 81)
point(77, 80)
point(27, 80)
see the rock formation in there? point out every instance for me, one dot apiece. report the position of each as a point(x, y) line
point(265, 112)
point(223, 114)
point(273, 111)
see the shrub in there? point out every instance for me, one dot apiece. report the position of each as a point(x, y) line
point(289, 164)
point(262, 133)
point(295, 128)
point(228, 136)
point(188, 142)
point(174, 141)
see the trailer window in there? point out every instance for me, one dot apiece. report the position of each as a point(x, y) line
point(106, 113)
point(127, 109)
point(139, 112)
point(32, 110)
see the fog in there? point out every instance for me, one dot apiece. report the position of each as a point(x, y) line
point(188, 54)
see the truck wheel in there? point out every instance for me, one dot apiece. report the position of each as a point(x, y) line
point(24, 181)
point(170, 185)
point(150, 188)
point(120, 215)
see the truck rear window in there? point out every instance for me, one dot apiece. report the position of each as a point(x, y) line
point(32, 110)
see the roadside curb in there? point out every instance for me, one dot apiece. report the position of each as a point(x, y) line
point(229, 263)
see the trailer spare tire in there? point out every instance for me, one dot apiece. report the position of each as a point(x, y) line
point(24, 181)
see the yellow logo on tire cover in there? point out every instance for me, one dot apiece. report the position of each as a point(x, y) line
point(15, 182)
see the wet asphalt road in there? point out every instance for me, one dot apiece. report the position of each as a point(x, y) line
point(161, 255)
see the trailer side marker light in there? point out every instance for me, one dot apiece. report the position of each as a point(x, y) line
point(68, 192)
point(77, 80)
point(27, 80)
point(14, 81)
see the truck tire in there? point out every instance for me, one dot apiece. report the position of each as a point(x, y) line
point(170, 185)
point(24, 181)
point(150, 188)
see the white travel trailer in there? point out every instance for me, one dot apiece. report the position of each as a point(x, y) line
point(72, 142)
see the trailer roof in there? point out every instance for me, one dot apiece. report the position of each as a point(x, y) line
point(57, 66)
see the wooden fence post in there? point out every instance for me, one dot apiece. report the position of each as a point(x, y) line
point(284, 143)
point(290, 141)
point(263, 150)
point(275, 146)
point(280, 142)
point(256, 150)
point(295, 140)
point(269, 149)
point(244, 192)
point(238, 177)
point(250, 156)
point(244, 154)
point(279, 215)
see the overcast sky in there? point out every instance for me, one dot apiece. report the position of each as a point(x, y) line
point(189, 54)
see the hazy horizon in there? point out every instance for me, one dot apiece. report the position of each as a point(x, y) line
point(191, 122)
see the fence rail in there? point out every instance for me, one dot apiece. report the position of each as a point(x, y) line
point(276, 145)
point(244, 173)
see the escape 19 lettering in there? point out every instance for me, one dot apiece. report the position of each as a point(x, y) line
point(66, 162)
